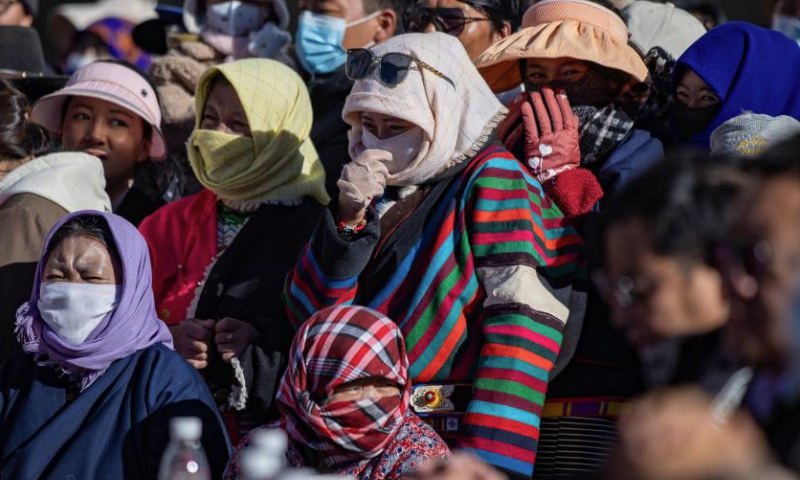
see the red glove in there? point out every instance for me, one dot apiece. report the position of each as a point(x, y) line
point(575, 192)
point(549, 129)
point(552, 149)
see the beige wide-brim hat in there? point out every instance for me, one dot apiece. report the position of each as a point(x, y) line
point(577, 29)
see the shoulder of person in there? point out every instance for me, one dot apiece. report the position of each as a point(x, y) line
point(35, 205)
point(186, 210)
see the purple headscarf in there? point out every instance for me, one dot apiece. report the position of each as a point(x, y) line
point(131, 327)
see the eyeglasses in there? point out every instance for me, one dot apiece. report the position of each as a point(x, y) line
point(623, 292)
point(448, 20)
point(392, 68)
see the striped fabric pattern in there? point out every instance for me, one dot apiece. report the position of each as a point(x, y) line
point(483, 296)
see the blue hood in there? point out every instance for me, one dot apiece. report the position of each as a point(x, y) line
point(750, 68)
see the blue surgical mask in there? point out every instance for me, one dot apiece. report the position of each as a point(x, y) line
point(319, 41)
point(235, 18)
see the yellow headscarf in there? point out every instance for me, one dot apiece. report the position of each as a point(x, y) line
point(279, 162)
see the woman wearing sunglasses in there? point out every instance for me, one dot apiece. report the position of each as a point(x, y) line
point(438, 227)
point(478, 24)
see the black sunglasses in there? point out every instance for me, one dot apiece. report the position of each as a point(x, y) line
point(392, 68)
point(448, 20)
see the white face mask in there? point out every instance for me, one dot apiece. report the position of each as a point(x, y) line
point(235, 18)
point(404, 147)
point(74, 310)
point(789, 26)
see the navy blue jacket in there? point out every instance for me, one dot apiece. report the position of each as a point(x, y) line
point(117, 428)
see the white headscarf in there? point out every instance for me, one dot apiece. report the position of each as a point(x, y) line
point(457, 120)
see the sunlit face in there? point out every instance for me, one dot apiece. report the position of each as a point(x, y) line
point(694, 92)
point(224, 112)
point(81, 259)
point(13, 14)
point(669, 297)
point(111, 133)
point(372, 388)
point(384, 126)
point(357, 35)
point(543, 71)
point(478, 35)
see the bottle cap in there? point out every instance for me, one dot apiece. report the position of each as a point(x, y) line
point(256, 464)
point(185, 428)
point(271, 442)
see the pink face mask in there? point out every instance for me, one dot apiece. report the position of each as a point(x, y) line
point(404, 147)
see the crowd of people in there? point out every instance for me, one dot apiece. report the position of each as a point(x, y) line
point(439, 239)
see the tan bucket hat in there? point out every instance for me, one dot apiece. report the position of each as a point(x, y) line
point(577, 29)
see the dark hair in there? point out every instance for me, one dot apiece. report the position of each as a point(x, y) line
point(371, 6)
point(501, 12)
point(19, 138)
point(90, 226)
point(686, 204)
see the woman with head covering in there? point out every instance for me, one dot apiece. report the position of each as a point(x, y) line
point(722, 76)
point(345, 400)
point(110, 111)
point(219, 31)
point(93, 392)
point(578, 49)
point(441, 229)
point(574, 128)
point(37, 188)
point(220, 257)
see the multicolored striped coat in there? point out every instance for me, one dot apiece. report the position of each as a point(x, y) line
point(481, 272)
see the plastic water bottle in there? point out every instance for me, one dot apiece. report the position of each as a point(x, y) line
point(265, 457)
point(184, 458)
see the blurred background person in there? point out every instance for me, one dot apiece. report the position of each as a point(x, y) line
point(19, 13)
point(109, 38)
point(786, 18)
point(22, 63)
point(709, 14)
point(655, 271)
point(684, 433)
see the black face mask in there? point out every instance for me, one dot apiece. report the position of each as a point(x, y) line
point(692, 121)
point(593, 90)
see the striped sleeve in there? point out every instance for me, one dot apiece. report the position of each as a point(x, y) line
point(527, 258)
point(327, 271)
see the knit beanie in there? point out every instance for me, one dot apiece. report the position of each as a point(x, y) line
point(750, 135)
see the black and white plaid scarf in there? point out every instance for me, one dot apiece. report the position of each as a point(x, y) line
point(601, 130)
